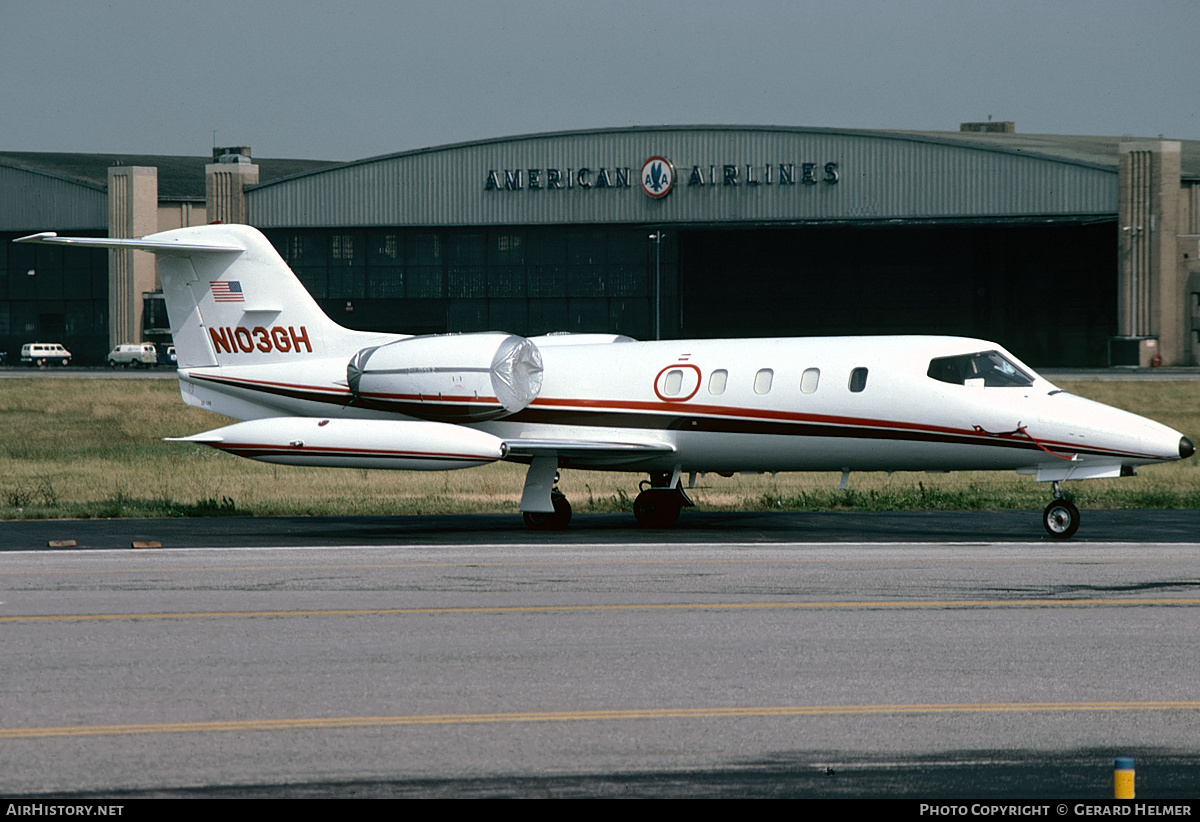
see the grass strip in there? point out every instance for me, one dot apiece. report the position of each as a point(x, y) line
point(93, 448)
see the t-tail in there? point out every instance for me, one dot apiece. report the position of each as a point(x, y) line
point(231, 299)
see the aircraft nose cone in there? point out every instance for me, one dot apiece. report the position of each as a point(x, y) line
point(1186, 449)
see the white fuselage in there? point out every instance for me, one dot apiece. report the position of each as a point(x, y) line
point(751, 405)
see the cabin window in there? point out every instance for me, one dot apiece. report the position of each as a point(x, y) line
point(717, 380)
point(762, 381)
point(673, 382)
point(809, 380)
point(989, 368)
point(858, 379)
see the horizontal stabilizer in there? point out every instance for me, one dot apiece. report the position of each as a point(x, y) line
point(167, 247)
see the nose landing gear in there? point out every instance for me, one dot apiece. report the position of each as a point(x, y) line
point(543, 506)
point(545, 521)
point(1061, 517)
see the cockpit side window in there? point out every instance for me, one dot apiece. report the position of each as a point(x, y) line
point(988, 368)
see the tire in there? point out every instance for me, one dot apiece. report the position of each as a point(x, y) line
point(1061, 519)
point(112, 363)
point(657, 508)
point(557, 521)
point(64, 363)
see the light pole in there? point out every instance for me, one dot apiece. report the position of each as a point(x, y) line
point(657, 237)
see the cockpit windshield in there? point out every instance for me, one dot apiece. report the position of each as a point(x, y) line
point(987, 368)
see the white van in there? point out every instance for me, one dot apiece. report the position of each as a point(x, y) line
point(43, 354)
point(139, 355)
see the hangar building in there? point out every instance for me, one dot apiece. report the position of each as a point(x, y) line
point(1070, 251)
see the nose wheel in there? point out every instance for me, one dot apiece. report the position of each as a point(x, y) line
point(1061, 517)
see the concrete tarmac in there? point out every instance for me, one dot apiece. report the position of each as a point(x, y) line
point(737, 657)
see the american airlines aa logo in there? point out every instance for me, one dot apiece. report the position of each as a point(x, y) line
point(657, 177)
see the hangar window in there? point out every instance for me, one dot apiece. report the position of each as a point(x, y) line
point(466, 281)
point(423, 249)
point(547, 280)
point(586, 281)
point(717, 380)
point(385, 283)
point(989, 368)
point(762, 381)
point(506, 281)
point(383, 248)
point(315, 280)
point(809, 380)
point(506, 249)
point(424, 282)
point(306, 250)
point(341, 249)
point(858, 379)
point(347, 283)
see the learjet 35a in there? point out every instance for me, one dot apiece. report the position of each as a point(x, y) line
point(254, 345)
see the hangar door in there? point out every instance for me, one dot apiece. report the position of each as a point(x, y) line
point(1046, 292)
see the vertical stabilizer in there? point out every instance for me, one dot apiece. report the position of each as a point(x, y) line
point(241, 308)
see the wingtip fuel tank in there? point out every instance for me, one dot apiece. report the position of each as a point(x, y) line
point(342, 443)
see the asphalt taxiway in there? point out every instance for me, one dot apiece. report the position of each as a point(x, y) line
point(739, 655)
point(694, 526)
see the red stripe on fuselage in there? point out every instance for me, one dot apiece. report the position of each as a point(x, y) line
point(598, 413)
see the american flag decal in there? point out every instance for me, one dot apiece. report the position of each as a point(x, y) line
point(227, 291)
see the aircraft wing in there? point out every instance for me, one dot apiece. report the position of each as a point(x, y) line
point(585, 451)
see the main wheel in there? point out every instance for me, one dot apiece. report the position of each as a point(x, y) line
point(543, 521)
point(1061, 519)
point(657, 508)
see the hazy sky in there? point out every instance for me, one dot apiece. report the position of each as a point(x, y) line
point(359, 78)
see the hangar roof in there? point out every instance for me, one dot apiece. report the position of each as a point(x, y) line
point(884, 175)
point(179, 178)
point(1098, 150)
point(1093, 150)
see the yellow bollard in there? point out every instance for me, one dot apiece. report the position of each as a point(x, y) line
point(1123, 777)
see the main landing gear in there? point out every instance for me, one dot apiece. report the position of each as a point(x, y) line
point(661, 500)
point(545, 508)
point(1061, 517)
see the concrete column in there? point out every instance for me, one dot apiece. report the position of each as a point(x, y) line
point(1151, 292)
point(225, 185)
point(132, 213)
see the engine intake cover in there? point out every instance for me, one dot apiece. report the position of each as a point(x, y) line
point(448, 377)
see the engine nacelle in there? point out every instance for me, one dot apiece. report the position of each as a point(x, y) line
point(406, 445)
point(451, 377)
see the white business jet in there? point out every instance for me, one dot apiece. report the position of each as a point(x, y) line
point(253, 345)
